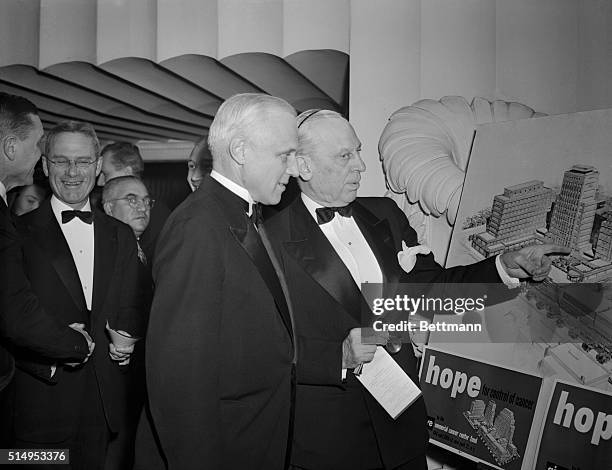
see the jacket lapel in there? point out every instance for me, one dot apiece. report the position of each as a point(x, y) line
point(105, 252)
point(378, 235)
point(246, 235)
point(50, 238)
point(313, 252)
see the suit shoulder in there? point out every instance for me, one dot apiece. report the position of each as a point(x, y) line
point(380, 205)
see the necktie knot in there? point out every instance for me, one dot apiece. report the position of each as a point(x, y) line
point(326, 214)
point(85, 216)
point(256, 214)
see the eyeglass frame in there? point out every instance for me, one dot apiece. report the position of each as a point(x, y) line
point(135, 202)
point(67, 163)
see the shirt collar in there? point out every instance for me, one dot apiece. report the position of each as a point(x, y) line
point(311, 205)
point(58, 206)
point(3, 192)
point(238, 190)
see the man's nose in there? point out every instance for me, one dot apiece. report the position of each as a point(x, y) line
point(72, 168)
point(292, 167)
point(361, 166)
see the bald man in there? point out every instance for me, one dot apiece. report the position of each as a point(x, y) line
point(330, 242)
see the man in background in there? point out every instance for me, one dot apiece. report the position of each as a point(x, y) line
point(220, 352)
point(124, 159)
point(199, 164)
point(126, 198)
point(24, 323)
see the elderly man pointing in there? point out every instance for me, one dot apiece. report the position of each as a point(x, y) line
point(330, 242)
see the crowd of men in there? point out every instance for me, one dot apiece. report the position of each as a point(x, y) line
point(244, 331)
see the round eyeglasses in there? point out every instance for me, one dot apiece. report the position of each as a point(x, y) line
point(80, 163)
point(136, 202)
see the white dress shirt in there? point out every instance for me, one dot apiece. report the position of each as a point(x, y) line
point(80, 239)
point(3, 192)
point(238, 190)
point(350, 245)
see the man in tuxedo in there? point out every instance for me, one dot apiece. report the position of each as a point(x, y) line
point(24, 323)
point(126, 198)
point(329, 243)
point(83, 265)
point(220, 353)
point(124, 159)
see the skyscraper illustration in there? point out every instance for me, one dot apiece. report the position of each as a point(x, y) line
point(495, 432)
point(516, 215)
point(603, 249)
point(504, 425)
point(574, 212)
point(477, 409)
point(489, 413)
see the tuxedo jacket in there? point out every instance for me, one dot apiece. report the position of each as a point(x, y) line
point(219, 352)
point(24, 324)
point(47, 410)
point(340, 425)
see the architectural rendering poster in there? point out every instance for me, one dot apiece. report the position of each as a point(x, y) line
point(547, 179)
point(577, 432)
point(482, 411)
point(541, 179)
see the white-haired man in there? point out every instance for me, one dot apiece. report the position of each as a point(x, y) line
point(220, 352)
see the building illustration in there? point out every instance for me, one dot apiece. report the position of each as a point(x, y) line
point(578, 217)
point(496, 432)
point(574, 212)
point(516, 216)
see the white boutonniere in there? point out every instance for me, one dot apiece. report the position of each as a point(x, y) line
point(408, 256)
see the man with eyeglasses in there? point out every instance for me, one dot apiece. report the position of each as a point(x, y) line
point(83, 265)
point(124, 159)
point(126, 198)
point(24, 322)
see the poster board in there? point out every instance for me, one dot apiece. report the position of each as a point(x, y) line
point(479, 410)
point(513, 153)
point(577, 431)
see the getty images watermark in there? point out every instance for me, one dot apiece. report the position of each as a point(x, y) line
point(542, 312)
point(423, 305)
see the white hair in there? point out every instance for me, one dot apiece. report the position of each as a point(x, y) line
point(237, 116)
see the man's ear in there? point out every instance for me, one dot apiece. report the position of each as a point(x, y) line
point(237, 150)
point(9, 146)
point(98, 167)
point(108, 208)
point(45, 166)
point(304, 164)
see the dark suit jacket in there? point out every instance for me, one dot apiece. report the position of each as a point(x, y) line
point(339, 425)
point(48, 411)
point(24, 324)
point(219, 346)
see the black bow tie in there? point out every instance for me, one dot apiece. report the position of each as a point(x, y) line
point(256, 214)
point(85, 216)
point(326, 214)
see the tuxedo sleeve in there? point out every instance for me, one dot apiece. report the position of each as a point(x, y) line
point(319, 362)
point(132, 314)
point(426, 269)
point(182, 349)
point(24, 324)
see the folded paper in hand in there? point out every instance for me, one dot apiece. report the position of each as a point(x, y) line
point(388, 383)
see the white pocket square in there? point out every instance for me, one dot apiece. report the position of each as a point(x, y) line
point(408, 256)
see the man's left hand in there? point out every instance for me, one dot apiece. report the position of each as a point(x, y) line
point(531, 261)
point(120, 355)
